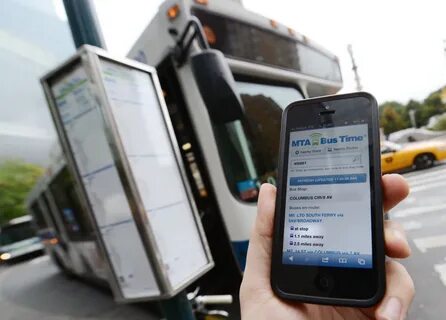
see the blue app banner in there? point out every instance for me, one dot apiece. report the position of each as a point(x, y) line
point(329, 179)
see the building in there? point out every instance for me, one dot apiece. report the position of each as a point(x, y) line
point(34, 38)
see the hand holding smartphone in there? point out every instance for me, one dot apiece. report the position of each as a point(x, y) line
point(328, 243)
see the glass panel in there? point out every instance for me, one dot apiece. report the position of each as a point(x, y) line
point(245, 41)
point(249, 146)
point(50, 212)
point(38, 216)
point(16, 232)
point(314, 63)
point(74, 218)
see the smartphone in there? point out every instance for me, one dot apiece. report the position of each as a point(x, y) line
point(328, 244)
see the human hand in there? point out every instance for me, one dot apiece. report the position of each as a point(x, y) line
point(258, 301)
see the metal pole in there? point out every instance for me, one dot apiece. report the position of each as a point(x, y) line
point(354, 68)
point(83, 23)
point(177, 308)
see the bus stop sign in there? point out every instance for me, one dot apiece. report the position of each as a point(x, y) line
point(120, 147)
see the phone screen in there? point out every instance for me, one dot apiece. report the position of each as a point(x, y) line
point(328, 218)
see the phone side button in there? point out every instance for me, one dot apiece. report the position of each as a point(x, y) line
point(324, 282)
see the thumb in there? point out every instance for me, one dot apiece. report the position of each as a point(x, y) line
point(258, 263)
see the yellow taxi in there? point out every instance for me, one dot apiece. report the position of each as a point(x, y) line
point(415, 155)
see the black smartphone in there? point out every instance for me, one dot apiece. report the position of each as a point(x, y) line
point(328, 245)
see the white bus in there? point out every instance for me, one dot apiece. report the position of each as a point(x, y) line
point(63, 225)
point(18, 240)
point(225, 104)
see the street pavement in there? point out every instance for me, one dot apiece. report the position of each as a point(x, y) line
point(36, 290)
point(423, 216)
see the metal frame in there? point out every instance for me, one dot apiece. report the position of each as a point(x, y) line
point(35, 198)
point(59, 225)
point(125, 175)
point(177, 153)
point(89, 57)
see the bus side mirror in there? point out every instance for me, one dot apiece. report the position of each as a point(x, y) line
point(217, 86)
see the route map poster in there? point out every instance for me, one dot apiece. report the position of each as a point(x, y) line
point(117, 133)
point(83, 124)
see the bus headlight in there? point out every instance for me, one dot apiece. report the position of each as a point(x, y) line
point(5, 256)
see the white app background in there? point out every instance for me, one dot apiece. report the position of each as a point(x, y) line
point(328, 210)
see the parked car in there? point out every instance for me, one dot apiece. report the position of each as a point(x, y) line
point(18, 240)
point(417, 155)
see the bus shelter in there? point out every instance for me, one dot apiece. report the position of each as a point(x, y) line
point(120, 148)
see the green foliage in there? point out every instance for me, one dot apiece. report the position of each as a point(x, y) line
point(431, 106)
point(394, 116)
point(416, 106)
point(440, 125)
point(16, 180)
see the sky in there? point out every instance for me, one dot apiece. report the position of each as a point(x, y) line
point(33, 40)
point(398, 45)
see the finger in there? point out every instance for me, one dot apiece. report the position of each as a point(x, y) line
point(265, 211)
point(395, 189)
point(258, 261)
point(399, 294)
point(395, 239)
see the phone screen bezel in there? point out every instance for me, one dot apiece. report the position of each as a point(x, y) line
point(345, 286)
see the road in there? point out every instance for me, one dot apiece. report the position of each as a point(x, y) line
point(36, 290)
point(423, 216)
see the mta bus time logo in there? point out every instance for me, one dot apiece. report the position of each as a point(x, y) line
point(316, 139)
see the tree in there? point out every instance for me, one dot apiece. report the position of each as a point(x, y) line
point(440, 125)
point(416, 106)
point(431, 106)
point(16, 180)
point(393, 117)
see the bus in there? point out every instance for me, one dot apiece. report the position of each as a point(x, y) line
point(228, 149)
point(63, 225)
point(18, 240)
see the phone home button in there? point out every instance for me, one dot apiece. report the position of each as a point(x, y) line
point(324, 282)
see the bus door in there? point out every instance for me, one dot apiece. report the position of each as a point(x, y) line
point(42, 223)
point(81, 241)
point(225, 276)
point(59, 251)
point(267, 69)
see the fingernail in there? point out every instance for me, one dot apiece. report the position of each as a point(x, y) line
point(397, 235)
point(392, 309)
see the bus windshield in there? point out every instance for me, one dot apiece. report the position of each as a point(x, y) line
point(15, 233)
point(246, 168)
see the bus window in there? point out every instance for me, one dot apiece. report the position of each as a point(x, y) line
point(38, 216)
point(50, 213)
point(16, 232)
point(74, 218)
point(263, 105)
